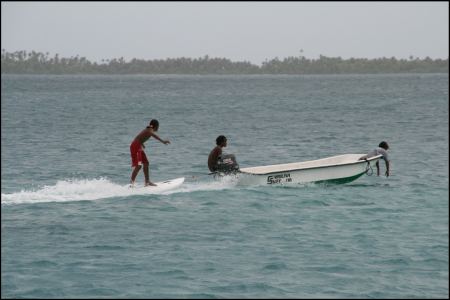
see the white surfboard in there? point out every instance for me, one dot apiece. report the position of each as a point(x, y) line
point(162, 186)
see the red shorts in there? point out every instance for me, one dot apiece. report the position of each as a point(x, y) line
point(138, 156)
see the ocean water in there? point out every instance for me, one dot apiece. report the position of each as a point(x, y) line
point(72, 229)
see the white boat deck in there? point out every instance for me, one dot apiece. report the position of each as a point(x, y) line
point(319, 163)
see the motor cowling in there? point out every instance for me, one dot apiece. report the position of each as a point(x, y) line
point(227, 164)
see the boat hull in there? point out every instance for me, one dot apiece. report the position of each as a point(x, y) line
point(333, 170)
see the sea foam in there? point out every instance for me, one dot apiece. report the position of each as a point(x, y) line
point(101, 188)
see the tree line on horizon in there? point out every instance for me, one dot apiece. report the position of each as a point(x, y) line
point(23, 62)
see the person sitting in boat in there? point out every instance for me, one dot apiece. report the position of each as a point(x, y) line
point(221, 163)
point(382, 149)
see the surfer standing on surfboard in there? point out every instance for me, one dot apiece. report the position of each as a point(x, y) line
point(138, 157)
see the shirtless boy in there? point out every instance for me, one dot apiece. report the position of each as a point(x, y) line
point(138, 157)
point(215, 153)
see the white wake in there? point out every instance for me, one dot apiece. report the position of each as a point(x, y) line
point(94, 189)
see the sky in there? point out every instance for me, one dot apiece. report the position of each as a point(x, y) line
point(239, 31)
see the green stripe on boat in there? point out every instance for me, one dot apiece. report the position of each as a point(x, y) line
point(340, 180)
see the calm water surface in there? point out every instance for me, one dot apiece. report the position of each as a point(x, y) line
point(71, 228)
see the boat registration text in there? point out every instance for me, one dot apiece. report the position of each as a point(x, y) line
point(279, 178)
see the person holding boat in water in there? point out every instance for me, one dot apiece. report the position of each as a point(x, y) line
point(221, 163)
point(381, 149)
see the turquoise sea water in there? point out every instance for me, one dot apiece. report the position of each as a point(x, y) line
point(71, 228)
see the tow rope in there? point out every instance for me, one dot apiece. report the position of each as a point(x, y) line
point(369, 170)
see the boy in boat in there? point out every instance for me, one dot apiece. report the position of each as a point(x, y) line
point(382, 149)
point(221, 163)
point(138, 157)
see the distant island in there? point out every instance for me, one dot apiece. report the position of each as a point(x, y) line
point(23, 62)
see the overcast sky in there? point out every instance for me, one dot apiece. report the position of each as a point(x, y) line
point(250, 31)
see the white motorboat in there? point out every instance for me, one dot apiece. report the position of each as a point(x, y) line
point(336, 169)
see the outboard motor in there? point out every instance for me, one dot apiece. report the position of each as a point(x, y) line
point(227, 164)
